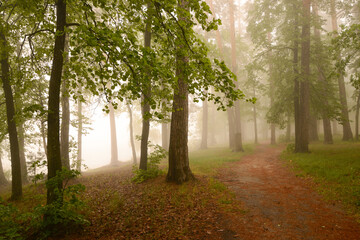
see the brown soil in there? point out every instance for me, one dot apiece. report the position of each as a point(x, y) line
point(279, 205)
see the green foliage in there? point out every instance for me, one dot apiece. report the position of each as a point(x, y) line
point(290, 148)
point(153, 169)
point(60, 217)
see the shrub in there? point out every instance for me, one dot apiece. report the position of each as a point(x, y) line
point(153, 169)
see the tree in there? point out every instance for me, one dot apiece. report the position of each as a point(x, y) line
point(114, 149)
point(10, 110)
point(53, 147)
point(347, 134)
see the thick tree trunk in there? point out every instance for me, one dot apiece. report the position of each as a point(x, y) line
point(114, 149)
point(10, 114)
point(204, 135)
point(3, 180)
point(79, 133)
point(53, 143)
point(347, 134)
point(179, 168)
point(357, 117)
point(145, 101)
point(305, 75)
point(65, 119)
point(132, 142)
point(238, 135)
point(232, 129)
point(24, 175)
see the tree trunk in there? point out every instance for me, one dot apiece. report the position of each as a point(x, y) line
point(145, 100)
point(313, 133)
point(132, 134)
point(288, 128)
point(325, 86)
point(305, 75)
point(347, 134)
point(65, 120)
point(79, 133)
point(165, 136)
point(16, 192)
point(204, 135)
point(271, 93)
point(357, 117)
point(255, 121)
point(3, 180)
point(238, 136)
point(296, 81)
point(24, 175)
point(53, 143)
point(179, 168)
point(114, 149)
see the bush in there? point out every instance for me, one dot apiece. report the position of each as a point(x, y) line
point(153, 169)
point(290, 148)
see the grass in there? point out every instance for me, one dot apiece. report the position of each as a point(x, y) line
point(336, 170)
point(206, 162)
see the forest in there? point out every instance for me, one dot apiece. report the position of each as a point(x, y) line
point(179, 119)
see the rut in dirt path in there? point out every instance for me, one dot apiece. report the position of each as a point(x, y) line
point(279, 205)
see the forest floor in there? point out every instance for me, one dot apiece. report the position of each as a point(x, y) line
point(278, 204)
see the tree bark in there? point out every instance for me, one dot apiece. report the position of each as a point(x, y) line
point(145, 100)
point(16, 190)
point(165, 136)
point(313, 133)
point(65, 120)
point(288, 128)
point(357, 117)
point(347, 133)
point(132, 142)
point(24, 175)
point(179, 168)
point(114, 149)
point(53, 146)
point(3, 180)
point(271, 93)
point(204, 135)
point(305, 75)
point(296, 81)
point(79, 132)
point(325, 86)
point(238, 135)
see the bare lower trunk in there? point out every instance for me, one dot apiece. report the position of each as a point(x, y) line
point(288, 128)
point(204, 135)
point(146, 98)
point(65, 119)
point(79, 133)
point(179, 168)
point(357, 118)
point(231, 121)
point(347, 133)
point(165, 136)
point(10, 114)
point(24, 175)
point(132, 142)
point(114, 150)
point(255, 125)
point(304, 84)
point(43, 136)
point(3, 180)
point(313, 133)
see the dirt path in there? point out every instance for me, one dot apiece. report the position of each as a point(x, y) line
point(278, 205)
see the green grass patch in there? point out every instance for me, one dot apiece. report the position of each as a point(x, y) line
point(206, 162)
point(336, 169)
